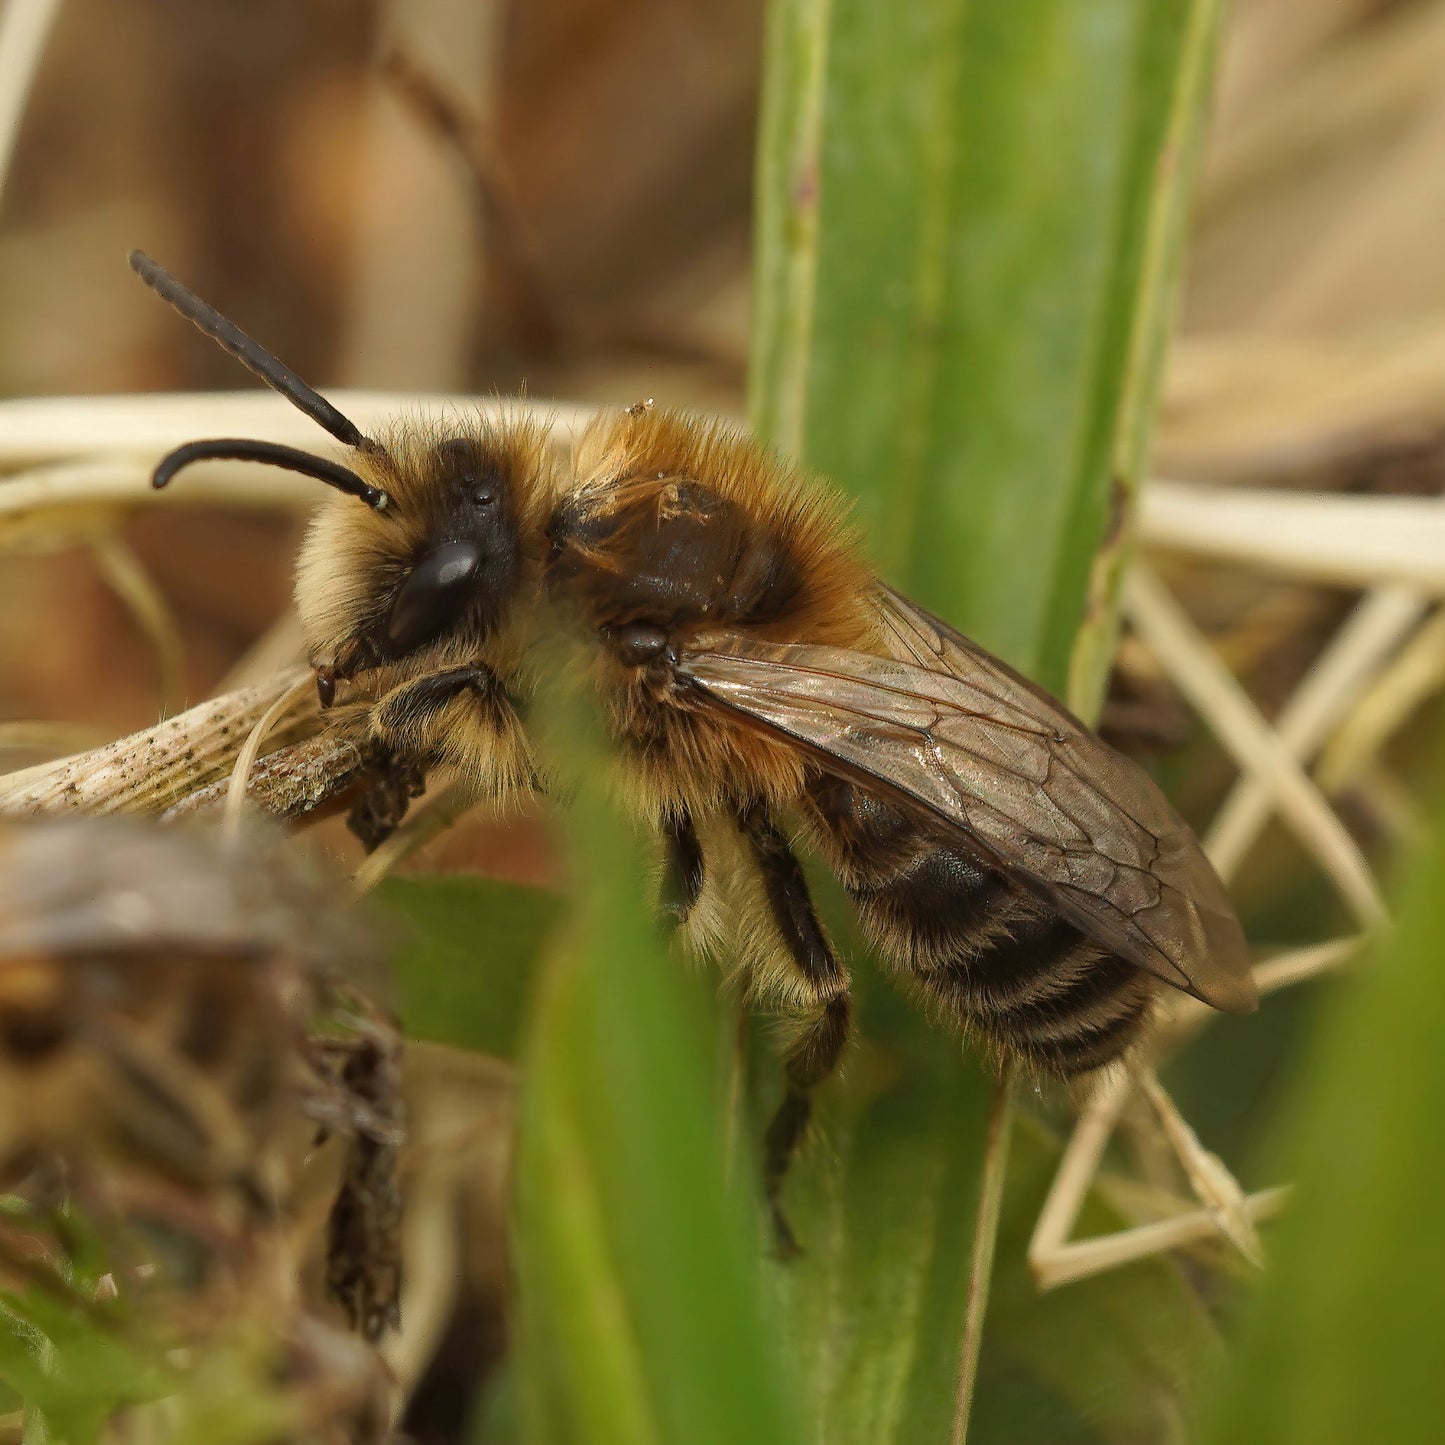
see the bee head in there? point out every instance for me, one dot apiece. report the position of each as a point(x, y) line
point(439, 568)
point(427, 542)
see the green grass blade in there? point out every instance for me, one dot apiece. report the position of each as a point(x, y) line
point(465, 957)
point(640, 1304)
point(968, 220)
point(1176, 66)
point(641, 1309)
point(1343, 1342)
point(967, 217)
point(882, 1202)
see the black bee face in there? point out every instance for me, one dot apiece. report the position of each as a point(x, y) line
point(445, 562)
point(427, 555)
point(468, 565)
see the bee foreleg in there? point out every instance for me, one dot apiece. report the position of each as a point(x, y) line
point(814, 1052)
point(406, 710)
point(403, 726)
point(392, 783)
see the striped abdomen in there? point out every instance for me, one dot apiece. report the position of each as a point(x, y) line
point(993, 957)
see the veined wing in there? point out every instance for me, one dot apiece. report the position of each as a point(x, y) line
point(950, 730)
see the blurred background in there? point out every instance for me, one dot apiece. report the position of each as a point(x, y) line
point(556, 196)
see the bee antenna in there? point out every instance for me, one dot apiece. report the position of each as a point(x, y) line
point(251, 354)
point(273, 454)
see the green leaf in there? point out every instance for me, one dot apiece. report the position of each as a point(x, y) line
point(641, 1310)
point(466, 957)
point(78, 1370)
point(968, 216)
point(1343, 1342)
point(882, 1201)
point(75, 1370)
point(967, 219)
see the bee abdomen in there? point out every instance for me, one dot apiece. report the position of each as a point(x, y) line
point(1091, 1018)
point(923, 902)
point(1044, 992)
point(939, 907)
point(1093, 1045)
point(992, 957)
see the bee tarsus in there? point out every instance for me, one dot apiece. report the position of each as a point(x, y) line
point(820, 1031)
point(392, 784)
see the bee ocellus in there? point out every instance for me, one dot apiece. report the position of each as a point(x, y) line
point(1032, 885)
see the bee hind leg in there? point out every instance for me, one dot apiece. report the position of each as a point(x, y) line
point(814, 1051)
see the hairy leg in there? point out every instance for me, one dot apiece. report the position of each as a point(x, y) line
point(814, 1052)
point(402, 723)
point(684, 868)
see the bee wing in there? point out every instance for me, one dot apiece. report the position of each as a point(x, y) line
point(947, 728)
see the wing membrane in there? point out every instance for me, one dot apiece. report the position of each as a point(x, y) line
point(946, 727)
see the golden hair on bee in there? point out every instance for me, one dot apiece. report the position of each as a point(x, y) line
point(1031, 886)
point(677, 532)
point(355, 560)
point(799, 573)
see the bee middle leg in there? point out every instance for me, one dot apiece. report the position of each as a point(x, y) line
point(814, 1052)
point(401, 724)
point(684, 867)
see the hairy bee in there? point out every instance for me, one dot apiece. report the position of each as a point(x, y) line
point(1031, 884)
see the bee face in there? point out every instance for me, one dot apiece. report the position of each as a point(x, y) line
point(441, 567)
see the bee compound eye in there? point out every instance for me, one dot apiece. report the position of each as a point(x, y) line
point(429, 599)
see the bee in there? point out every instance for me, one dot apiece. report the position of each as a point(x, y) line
point(1031, 885)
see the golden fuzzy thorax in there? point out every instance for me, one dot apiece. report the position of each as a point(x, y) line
point(667, 520)
point(690, 526)
point(630, 463)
